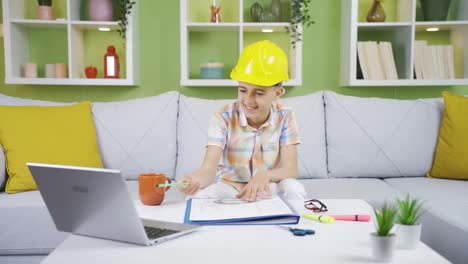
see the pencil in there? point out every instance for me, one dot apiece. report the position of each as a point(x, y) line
point(172, 184)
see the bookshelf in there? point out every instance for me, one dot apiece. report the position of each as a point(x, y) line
point(403, 28)
point(202, 41)
point(69, 38)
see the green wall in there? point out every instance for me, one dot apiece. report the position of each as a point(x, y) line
point(160, 59)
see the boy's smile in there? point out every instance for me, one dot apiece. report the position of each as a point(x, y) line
point(256, 101)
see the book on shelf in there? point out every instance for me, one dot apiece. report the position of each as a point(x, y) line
point(362, 60)
point(419, 58)
point(359, 74)
point(376, 60)
point(230, 211)
point(387, 60)
point(433, 61)
point(450, 63)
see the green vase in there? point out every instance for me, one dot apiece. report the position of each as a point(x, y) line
point(256, 11)
point(266, 16)
point(435, 10)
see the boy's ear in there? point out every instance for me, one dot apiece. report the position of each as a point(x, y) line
point(279, 91)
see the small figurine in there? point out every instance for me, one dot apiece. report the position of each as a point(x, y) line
point(215, 16)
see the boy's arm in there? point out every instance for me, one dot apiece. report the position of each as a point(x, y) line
point(206, 174)
point(261, 181)
point(288, 164)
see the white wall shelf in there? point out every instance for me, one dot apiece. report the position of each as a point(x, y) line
point(197, 35)
point(19, 26)
point(403, 33)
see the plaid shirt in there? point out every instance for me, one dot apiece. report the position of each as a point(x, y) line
point(247, 150)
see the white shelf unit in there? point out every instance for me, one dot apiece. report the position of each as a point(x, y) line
point(241, 29)
point(402, 34)
point(18, 27)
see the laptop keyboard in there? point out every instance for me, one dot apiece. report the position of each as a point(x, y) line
point(153, 232)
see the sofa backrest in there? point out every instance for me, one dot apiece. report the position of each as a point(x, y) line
point(195, 114)
point(135, 136)
point(139, 135)
point(375, 137)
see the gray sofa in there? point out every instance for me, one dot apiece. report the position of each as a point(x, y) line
point(368, 148)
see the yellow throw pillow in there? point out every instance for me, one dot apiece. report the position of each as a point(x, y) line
point(46, 134)
point(452, 147)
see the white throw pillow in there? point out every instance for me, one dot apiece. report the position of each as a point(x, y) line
point(139, 135)
point(375, 137)
point(195, 114)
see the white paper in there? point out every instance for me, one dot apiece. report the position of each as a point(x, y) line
point(208, 209)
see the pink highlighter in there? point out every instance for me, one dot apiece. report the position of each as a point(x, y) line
point(360, 218)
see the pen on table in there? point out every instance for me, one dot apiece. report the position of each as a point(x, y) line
point(173, 184)
point(354, 217)
point(319, 218)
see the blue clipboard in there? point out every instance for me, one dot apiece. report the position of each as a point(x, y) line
point(280, 219)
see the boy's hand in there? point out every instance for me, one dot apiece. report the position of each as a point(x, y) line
point(253, 191)
point(193, 185)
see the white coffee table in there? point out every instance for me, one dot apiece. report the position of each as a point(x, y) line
point(340, 242)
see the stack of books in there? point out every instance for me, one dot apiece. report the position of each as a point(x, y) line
point(433, 61)
point(376, 61)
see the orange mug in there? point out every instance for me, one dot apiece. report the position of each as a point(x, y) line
point(150, 193)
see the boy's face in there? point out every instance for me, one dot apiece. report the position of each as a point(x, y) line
point(256, 101)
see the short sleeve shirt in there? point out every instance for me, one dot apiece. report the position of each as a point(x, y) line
point(247, 150)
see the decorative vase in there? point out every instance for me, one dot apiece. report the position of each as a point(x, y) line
point(435, 10)
point(408, 236)
point(266, 16)
point(376, 12)
point(100, 10)
point(276, 10)
point(256, 11)
point(44, 12)
point(383, 247)
point(215, 16)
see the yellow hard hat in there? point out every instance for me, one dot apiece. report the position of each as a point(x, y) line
point(262, 63)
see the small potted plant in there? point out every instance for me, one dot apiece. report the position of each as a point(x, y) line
point(383, 242)
point(409, 229)
point(44, 9)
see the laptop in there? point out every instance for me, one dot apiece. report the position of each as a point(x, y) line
point(95, 202)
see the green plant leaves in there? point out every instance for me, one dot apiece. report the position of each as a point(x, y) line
point(125, 9)
point(409, 210)
point(385, 219)
point(299, 15)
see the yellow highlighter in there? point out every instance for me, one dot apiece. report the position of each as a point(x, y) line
point(319, 218)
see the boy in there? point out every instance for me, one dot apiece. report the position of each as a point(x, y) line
point(251, 147)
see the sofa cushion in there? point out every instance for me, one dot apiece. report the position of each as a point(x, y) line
point(10, 100)
point(374, 137)
point(374, 191)
point(195, 114)
point(2, 169)
point(47, 134)
point(27, 227)
point(138, 136)
point(445, 207)
point(452, 146)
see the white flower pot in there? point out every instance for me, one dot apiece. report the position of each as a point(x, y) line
point(383, 247)
point(408, 236)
